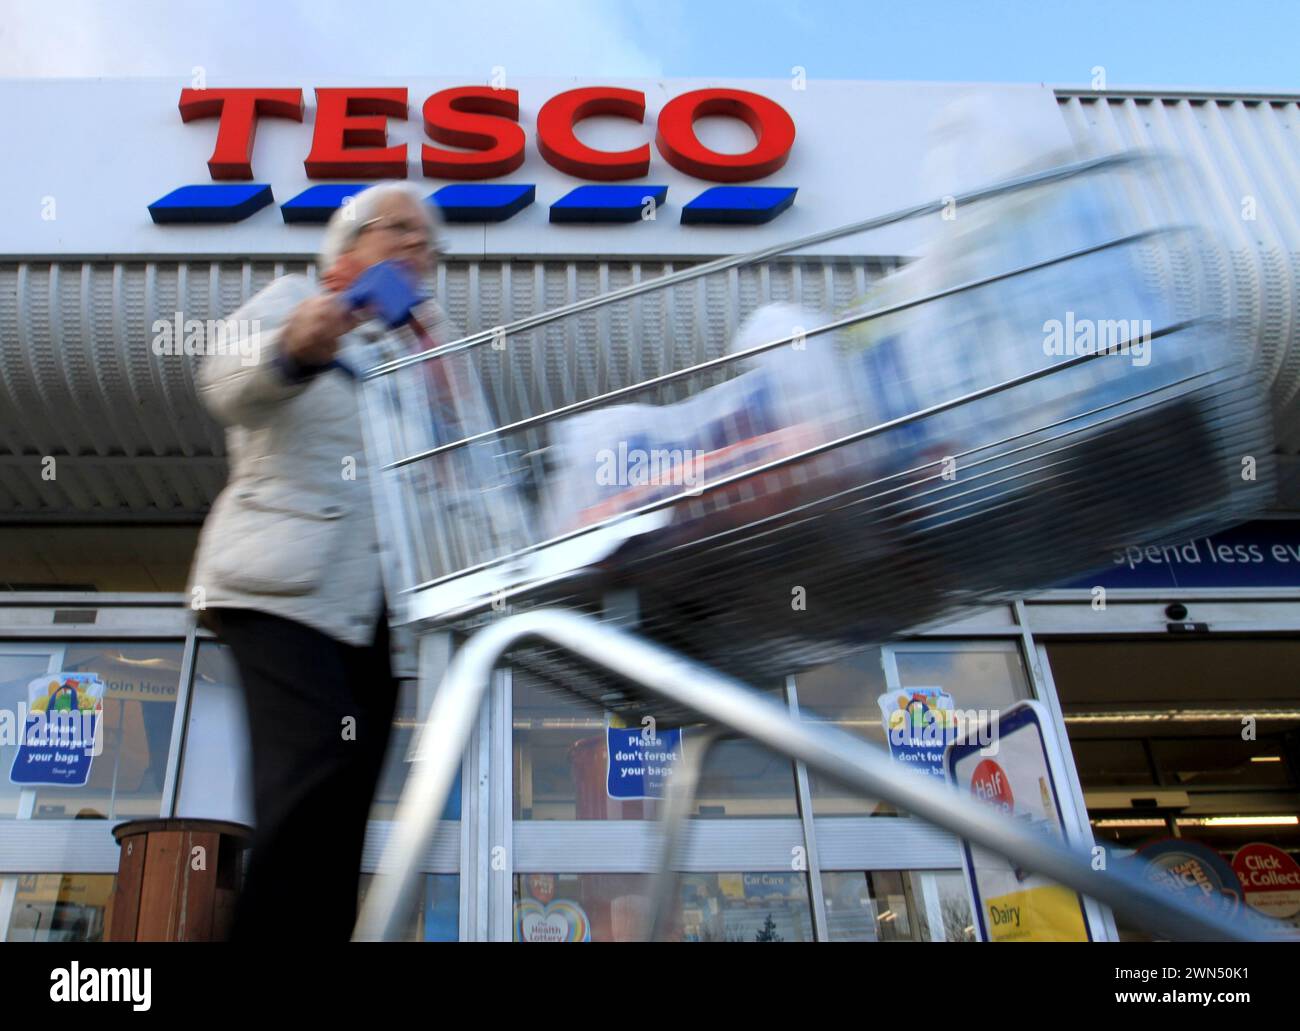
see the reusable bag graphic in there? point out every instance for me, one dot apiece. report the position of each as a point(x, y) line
point(61, 730)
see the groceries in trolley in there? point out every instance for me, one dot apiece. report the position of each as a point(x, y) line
point(1054, 373)
point(1047, 330)
point(779, 403)
point(1033, 324)
point(429, 424)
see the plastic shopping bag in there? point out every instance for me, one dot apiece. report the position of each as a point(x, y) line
point(783, 403)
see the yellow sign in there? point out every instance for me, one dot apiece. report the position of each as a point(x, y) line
point(85, 889)
point(1050, 913)
point(159, 690)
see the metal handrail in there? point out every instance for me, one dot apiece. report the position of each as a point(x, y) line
point(724, 701)
point(734, 357)
point(775, 464)
point(1051, 175)
point(854, 493)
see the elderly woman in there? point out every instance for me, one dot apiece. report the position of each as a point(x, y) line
point(287, 571)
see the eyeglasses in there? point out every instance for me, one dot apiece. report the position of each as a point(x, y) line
point(402, 227)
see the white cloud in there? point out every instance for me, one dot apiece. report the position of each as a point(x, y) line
point(259, 42)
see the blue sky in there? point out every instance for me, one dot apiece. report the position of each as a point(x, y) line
point(1242, 45)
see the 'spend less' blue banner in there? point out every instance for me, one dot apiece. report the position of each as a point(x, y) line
point(1259, 554)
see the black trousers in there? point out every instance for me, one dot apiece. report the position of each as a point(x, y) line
point(320, 714)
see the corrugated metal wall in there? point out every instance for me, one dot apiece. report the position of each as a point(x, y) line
point(1242, 177)
point(79, 381)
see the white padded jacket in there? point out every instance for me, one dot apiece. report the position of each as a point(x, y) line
point(293, 532)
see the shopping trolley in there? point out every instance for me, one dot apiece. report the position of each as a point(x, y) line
point(928, 447)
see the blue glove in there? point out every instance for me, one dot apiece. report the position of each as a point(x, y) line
point(386, 289)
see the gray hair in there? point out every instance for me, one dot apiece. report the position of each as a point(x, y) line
point(345, 224)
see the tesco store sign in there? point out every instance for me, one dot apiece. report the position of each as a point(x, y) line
point(555, 168)
point(350, 141)
point(349, 138)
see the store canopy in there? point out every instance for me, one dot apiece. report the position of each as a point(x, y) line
point(80, 383)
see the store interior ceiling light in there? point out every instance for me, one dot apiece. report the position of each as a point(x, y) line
point(1238, 821)
point(1182, 715)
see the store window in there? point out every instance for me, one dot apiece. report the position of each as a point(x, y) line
point(215, 772)
point(1187, 752)
point(56, 907)
point(897, 905)
point(982, 675)
point(396, 768)
point(214, 780)
point(19, 666)
point(737, 907)
point(745, 907)
point(140, 685)
point(563, 768)
point(978, 675)
point(437, 916)
point(844, 693)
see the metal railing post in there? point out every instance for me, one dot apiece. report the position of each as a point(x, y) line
point(731, 705)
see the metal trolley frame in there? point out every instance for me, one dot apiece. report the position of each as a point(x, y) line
point(511, 590)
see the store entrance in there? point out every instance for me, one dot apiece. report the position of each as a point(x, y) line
point(1188, 752)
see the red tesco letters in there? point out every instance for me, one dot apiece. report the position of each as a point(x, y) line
point(238, 110)
point(350, 138)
